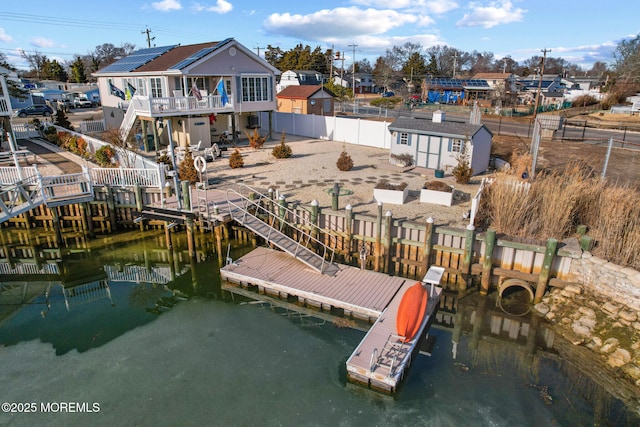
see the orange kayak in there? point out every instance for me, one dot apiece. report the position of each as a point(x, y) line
point(411, 311)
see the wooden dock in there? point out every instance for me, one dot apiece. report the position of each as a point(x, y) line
point(379, 361)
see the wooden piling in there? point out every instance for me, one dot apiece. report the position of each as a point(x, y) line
point(378, 241)
point(388, 241)
point(487, 261)
point(543, 278)
point(190, 238)
point(427, 247)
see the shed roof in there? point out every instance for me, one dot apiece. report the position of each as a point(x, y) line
point(428, 127)
point(301, 92)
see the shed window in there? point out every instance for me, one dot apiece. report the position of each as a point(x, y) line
point(404, 139)
point(456, 146)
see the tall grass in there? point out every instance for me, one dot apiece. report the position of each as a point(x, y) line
point(553, 205)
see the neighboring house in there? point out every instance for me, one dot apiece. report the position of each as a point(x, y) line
point(188, 93)
point(306, 100)
point(299, 78)
point(456, 91)
point(438, 144)
point(503, 85)
point(363, 82)
point(530, 84)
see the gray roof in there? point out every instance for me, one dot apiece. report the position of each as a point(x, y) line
point(427, 127)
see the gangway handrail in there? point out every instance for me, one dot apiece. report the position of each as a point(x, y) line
point(328, 253)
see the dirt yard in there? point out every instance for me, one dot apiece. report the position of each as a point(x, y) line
point(623, 167)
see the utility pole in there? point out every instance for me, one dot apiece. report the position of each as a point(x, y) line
point(544, 59)
point(455, 62)
point(257, 48)
point(353, 45)
point(149, 38)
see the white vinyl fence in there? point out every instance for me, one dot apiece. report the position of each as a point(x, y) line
point(25, 130)
point(333, 128)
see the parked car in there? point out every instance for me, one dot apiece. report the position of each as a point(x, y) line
point(35, 110)
point(82, 103)
point(388, 94)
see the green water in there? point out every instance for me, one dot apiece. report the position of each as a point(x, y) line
point(147, 335)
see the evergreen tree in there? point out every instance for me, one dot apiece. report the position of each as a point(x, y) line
point(78, 73)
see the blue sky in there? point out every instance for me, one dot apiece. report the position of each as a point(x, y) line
point(579, 31)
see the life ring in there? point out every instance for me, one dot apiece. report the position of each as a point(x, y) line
point(216, 151)
point(200, 164)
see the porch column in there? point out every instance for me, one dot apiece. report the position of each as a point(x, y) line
point(185, 89)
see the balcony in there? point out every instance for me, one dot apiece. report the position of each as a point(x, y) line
point(180, 105)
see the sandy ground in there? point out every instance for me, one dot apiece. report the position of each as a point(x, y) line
point(311, 172)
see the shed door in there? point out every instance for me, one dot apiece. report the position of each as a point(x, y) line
point(433, 156)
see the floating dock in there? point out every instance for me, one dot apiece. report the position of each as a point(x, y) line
point(379, 361)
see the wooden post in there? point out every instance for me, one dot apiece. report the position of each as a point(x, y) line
point(217, 231)
point(87, 218)
point(428, 246)
point(186, 195)
point(487, 261)
point(57, 226)
point(314, 218)
point(388, 241)
point(335, 194)
point(167, 235)
point(190, 238)
point(348, 218)
point(111, 207)
point(378, 244)
point(543, 278)
point(469, 238)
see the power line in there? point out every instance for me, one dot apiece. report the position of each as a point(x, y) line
point(257, 48)
point(353, 45)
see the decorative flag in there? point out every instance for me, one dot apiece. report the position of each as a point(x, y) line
point(223, 92)
point(130, 90)
point(116, 91)
point(196, 91)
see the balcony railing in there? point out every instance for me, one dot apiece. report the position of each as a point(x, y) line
point(5, 106)
point(180, 105)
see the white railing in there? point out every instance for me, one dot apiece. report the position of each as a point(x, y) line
point(66, 186)
point(121, 177)
point(5, 107)
point(128, 121)
point(178, 104)
point(24, 130)
point(92, 126)
point(9, 174)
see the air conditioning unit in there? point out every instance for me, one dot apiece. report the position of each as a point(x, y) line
point(254, 122)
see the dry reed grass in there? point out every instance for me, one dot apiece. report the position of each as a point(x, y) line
point(554, 204)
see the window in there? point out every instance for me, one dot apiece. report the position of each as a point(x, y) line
point(404, 138)
point(138, 84)
point(456, 146)
point(256, 89)
point(156, 87)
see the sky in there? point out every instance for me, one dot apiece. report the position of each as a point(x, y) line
point(580, 32)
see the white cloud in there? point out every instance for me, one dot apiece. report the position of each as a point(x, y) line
point(496, 13)
point(167, 5)
point(42, 42)
point(434, 6)
point(4, 37)
point(337, 23)
point(221, 7)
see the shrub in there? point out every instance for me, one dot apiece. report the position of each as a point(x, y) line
point(405, 159)
point(584, 100)
point(187, 169)
point(255, 140)
point(104, 156)
point(437, 186)
point(384, 184)
point(462, 173)
point(62, 120)
point(344, 163)
point(281, 151)
point(236, 160)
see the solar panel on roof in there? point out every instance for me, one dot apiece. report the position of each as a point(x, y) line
point(191, 59)
point(136, 59)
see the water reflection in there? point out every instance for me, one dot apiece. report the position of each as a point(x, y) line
point(94, 290)
point(505, 369)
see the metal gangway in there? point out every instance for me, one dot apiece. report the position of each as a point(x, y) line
point(252, 209)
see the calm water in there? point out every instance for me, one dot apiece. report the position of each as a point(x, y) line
point(142, 335)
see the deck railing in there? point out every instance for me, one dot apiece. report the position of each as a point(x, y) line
point(179, 104)
point(10, 175)
point(125, 177)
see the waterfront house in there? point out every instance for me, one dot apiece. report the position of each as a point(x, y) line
point(193, 92)
point(438, 144)
point(306, 100)
point(299, 78)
